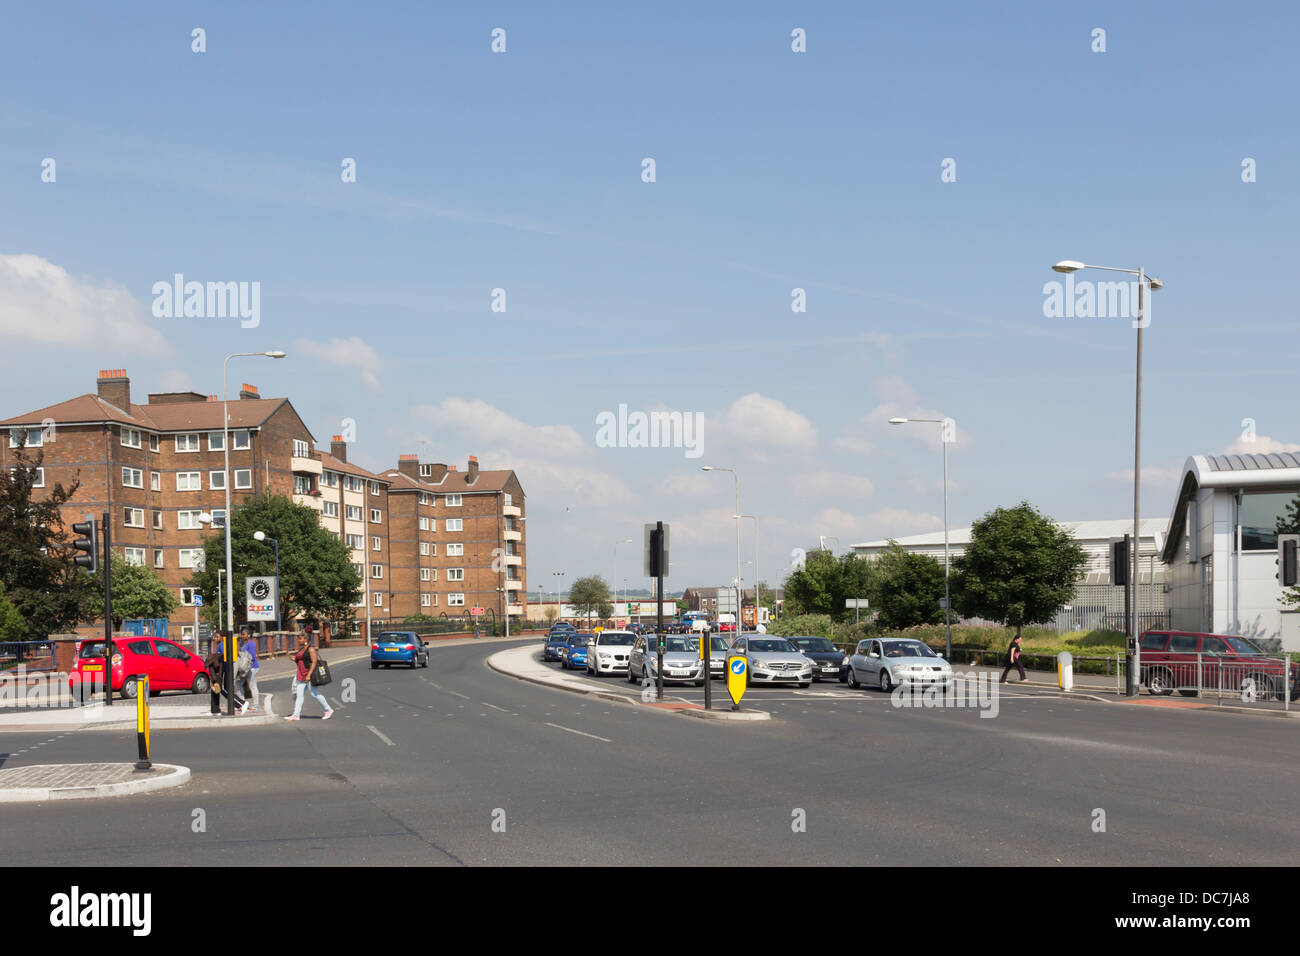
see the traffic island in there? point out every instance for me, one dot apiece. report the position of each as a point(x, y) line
point(80, 781)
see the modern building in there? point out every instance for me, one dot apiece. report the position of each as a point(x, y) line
point(1221, 553)
point(1096, 602)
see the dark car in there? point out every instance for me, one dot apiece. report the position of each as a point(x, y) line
point(1186, 661)
point(556, 639)
point(828, 658)
point(398, 647)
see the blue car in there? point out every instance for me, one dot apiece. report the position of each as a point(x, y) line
point(554, 641)
point(398, 647)
point(574, 654)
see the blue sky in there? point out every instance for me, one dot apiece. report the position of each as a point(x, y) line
point(774, 170)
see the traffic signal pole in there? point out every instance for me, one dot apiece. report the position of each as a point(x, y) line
point(108, 611)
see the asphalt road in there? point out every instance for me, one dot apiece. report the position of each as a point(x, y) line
point(457, 764)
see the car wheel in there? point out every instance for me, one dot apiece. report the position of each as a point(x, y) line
point(804, 683)
point(1265, 688)
point(201, 684)
point(130, 688)
point(426, 661)
point(885, 683)
point(414, 662)
point(1188, 693)
point(699, 683)
point(374, 665)
point(851, 678)
point(1160, 682)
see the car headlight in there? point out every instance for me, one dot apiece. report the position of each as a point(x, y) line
point(845, 662)
point(759, 664)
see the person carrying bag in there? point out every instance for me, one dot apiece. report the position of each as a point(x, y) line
point(308, 663)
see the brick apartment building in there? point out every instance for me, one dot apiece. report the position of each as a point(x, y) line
point(458, 539)
point(156, 467)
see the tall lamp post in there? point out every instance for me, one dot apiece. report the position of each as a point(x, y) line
point(225, 444)
point(559, 579)
point(755, 520)
point(947, 591)
point(1068, 266)
point(261, 536)
point(736, 478)
point(615, 578)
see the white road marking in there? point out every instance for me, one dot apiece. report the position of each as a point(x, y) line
point(458, 694)
point(375, 730)
point(494, 706)
point(581, 733)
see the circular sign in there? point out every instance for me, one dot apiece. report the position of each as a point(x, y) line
point(738, 666)
point(260, 590)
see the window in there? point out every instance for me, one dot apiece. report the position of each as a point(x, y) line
point(353, 512)
point(424, 600)
point(433, 599)
point(424, 499)
point(34, 437)
point(376, 543)
point(455, 550)
point(377, 571)
point(239, 440)
point(134, 518)
point(351, 483)
point(424, 548)
point(1259, 516)
point(217, 480)
point(507, 499)
point(189, 442)
point(187, 596)
point(130, 437)
point(153, 443)
point(38, 477)
point(453, 524)
point(455, 600)
point(1182, 644)
point(132, 478)
point(374, 487)
point(157, 519)
point(157, 558)
point(243, 478)
point(453, 501)
point(302, 484)
point(433, 550)
point(455, 574)
point(424, 574)
point(424, 524)
point(379, 599)
point(191, 558)
point(189, 481)
point(216, 441)
point(300, 449)
point(187, 633)
point(376, 516)
point(433, 574)
point(355, 542)
point(188, 520)
point(426, 471)
point(329, 479)
point(360, 569)
point(133, 556)
point(218, 517)
point(330, 509)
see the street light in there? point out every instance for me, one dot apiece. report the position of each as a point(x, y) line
point(225, 444)
point(736, 478)
point(261, 536)
point(947, 590)
point(1073, 265)
point(615, 579)
point(559, 578)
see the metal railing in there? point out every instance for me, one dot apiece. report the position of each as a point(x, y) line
point(31, 655)
point(1226, 679)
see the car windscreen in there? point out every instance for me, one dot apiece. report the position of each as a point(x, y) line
point(772, 646)
point(719, 643)
point(576, 640)
point(1243, 647)
point(907, 649)
point(616, 640)
point(672, 644)
point(813, 644)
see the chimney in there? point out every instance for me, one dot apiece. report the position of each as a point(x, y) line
point(248, 391)
point(338, 447)
point(437, 472)
point(471, 470)
point(409, 465)
point(115, 388)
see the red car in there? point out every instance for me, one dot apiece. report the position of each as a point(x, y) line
point(168, 666)
point(1227, 661)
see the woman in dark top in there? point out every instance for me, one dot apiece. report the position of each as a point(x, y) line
point(1013, 660)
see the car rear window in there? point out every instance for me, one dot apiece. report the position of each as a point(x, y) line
point(1154, 642)
point(394, 638)
point(92, 649)
point(1182, 644)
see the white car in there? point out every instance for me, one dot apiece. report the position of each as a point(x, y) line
point(895, 662)
point(773, 660)
point(610, 652)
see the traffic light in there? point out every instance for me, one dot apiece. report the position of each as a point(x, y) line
point(87, 543)
point(1287, 564)
point(1120, 563)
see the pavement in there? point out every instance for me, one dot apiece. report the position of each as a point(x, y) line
point(43, 782)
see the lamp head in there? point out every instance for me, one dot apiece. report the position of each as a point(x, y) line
point(274, 353)
point(1068, 265)
point(898, 421)
point(1156, 284)
point(259, 535)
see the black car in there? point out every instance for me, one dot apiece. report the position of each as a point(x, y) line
point(828, 659)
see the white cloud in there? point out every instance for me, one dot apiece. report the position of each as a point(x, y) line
point(352, 353)
point(41, 304)
point(831, 484)
point(885, 523)
point(897, 400)
point(1262, 445)
point(692, 484)
point(1157, 475)
point(764, 427)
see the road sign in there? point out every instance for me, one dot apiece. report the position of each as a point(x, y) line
point(943, 604)
point(261, 598)
point(198, 599)
point(477, 611)
point(737, 678)
point(856, 602)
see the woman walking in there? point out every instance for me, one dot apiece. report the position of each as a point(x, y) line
point(305, 659)
point(1013, 660)
point(215, 663)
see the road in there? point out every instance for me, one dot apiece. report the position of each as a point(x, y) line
point(457, 764)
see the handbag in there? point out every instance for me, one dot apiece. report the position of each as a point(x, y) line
point(320, 674)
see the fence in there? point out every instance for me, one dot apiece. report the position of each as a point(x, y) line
point(1097, 618)
point(32, 655)
point(1236, 680)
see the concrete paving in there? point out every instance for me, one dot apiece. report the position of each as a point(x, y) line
point(80, 781)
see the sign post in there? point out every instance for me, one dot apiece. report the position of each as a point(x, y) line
point(142, 723)
point(737, 678)
point(857, 604)
point(656, 566)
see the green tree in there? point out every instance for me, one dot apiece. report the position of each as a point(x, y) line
point(906, 588)
point(1019, 568)
point(137, 592)
point(824, 582)
point(590, 596)
point(49, 591)
point(11, 622)
point(317, 579)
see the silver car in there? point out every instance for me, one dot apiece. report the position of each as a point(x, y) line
point(773, 660)
point(682, 663)
point(719, 648)
point(895, 662)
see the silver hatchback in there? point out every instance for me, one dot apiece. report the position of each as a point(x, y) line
point(682, 663)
